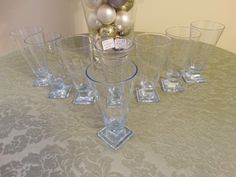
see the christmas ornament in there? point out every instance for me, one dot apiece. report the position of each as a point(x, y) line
point(123, 22)
point(107, 31)
point(125, 32)
point(93, 4)
point(117, 3)
point(106, 14)
point(127, 6)
point(93, 21)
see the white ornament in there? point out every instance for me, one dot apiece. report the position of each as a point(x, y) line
point(106, 14)
point(123, 21)
point(93, 4)
point(93, 21)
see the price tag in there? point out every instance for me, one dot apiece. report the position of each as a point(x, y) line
point(108, 44)
point(120, 43)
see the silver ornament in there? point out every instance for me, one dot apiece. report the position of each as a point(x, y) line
point(107, 31)
point(93, 21)
point(123, 21)
point(93, 4)
point(117, 3)
point(127, 6)
point(106, 14)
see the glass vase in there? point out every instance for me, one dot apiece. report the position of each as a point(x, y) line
point(110, 18)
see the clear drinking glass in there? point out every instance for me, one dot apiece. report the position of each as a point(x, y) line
point(114, 91)
point(151, 52)
point(42, 46)
point(113, 54)
point(210, 35)
point(183, 38)
point(37, 64)
point(76, 55)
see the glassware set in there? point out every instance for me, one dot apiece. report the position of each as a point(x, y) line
point(153, 57)
point(180, 53)
point(210, 35)
point(182, 40)
point(42, 47)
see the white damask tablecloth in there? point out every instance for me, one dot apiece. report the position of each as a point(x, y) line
point(190, 134)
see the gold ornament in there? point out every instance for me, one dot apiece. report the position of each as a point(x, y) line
point(127, 6)
point(125, 32)
point(107, 31)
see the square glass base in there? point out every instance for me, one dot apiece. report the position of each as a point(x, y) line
point(115, 140)
point(171, 85)
point(147, 95)
point(61, 93)
point(43, 79)
point(85, 98)
point(193, 77)
point(41, 82)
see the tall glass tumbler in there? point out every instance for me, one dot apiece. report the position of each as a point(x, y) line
point(210, 34)
point(38, 65)
point(114, 107)
point(42, 46)
point(151, 52)
point(183, 39)
point(114, 54)
point(76, 55)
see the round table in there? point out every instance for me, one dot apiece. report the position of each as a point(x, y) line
point(188, 134)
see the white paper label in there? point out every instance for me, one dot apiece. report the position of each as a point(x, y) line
point(120, 43)
point(108, 44)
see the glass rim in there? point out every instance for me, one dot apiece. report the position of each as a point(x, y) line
point(40, 43)
point(109, 83)
point(181, 37)
point(156, 34)
point(116, 52)
point(15, 32)
point(221, 25)
point(58, 43)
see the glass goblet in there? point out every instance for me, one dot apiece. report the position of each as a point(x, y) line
point(182, 39)
point(38, 65)
point(43, 46)
point(76, 54)
point(115, 113)
point(151, 53)
point(210, 34)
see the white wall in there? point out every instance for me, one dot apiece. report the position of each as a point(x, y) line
point(157, 15)
point(53, 15)
point(66, 16)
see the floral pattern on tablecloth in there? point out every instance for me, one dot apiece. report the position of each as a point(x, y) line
point(192, 134)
